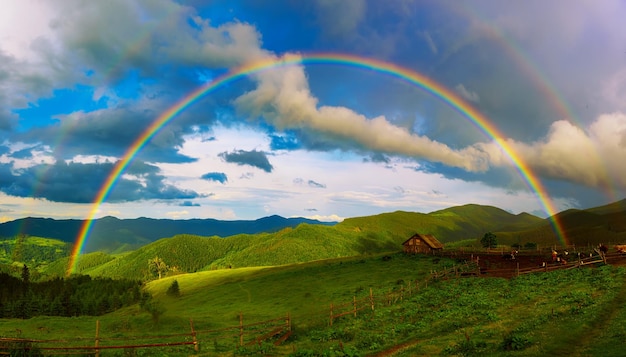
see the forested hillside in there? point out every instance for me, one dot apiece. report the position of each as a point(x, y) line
point(32, 250)
point(111, 234)
point(306, 242)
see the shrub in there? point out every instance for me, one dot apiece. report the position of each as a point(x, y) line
point(530, 245)
point(173, 290)
point(515, 342)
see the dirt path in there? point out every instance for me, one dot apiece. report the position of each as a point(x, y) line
point(395, 349)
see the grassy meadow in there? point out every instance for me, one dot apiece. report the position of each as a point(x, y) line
point(574, 312)
point(301, 271)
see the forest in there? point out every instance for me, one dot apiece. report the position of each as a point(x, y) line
point(73, 296)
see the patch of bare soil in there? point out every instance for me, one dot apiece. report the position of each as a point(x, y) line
point(395, 349)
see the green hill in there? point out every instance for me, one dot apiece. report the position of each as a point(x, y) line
point(33, 251)
point(353, 237)
point(566, 312)
point(448, 225)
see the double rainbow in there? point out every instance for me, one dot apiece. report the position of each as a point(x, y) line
point(392, 70)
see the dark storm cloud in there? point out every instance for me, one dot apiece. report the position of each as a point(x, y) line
point(252, 158)
point(215, 176)
point(80, 183)
point(189, 204)
point(312, 183)
point(378, 157)
point(110, 132)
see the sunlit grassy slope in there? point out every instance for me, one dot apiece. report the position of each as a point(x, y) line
point(571, 312)
point(31, 250)
point(356, 236)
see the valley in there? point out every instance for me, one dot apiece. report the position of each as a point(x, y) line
point(302, 274)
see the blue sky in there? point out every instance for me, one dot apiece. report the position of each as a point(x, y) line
point(80, 81)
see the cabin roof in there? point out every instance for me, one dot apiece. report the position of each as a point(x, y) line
point(429, 239)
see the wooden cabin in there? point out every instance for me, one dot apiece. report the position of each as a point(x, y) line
point(422, 243)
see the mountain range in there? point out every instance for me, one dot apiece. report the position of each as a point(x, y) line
point(122, 248)
point(111, 234)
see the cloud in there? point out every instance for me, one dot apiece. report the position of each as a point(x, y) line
point(107, 132)
point(283, 98)
point(328, 218)
point(378, 157)
point(81, 182)
point(592, 157)
point(430, 42)
point(177, 214)
point(215, 176)
point(253, 158)
point(314, 184)
point(189, 204)
point(467, 94)
point(22, 154)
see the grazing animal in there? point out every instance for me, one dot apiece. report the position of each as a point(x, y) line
point(508, 256)
point(621, 248)
point(603, 248)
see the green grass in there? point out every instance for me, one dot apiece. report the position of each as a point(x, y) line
point(354, 236)
point(36, 252)
point(541, 314)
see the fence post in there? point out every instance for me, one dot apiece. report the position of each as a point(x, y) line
point(517, 269)
point(193, 336)
point(410, 294)
point(354, 303)
point(240, 328)
point(371, 299)
point(331, 314)
point(97, 338)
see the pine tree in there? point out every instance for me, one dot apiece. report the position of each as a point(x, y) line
point(25, 275)
point(173, 290)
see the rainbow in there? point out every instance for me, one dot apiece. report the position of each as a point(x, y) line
point(539, 79)
point(392, 70)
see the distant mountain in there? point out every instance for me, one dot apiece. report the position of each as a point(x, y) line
point(195, 245)
point(112, 234)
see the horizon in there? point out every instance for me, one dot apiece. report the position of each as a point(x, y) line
point(324, 111)
point(275, 215)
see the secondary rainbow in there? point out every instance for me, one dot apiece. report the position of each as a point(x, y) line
point(410, 76)
point(539, 78)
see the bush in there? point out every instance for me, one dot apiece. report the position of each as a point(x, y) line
point(173, 290)
point(530, 245)
point(515, 342)
point(489, 240)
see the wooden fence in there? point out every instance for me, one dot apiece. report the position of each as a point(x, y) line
point(277, 330)
point(369, 303)
point(472, 268)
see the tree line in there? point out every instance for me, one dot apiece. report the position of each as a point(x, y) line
point(73, 296)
